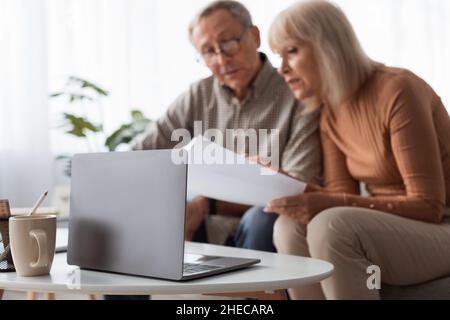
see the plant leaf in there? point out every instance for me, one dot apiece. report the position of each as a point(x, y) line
point(127, 132)
point(87, 84)
point(56, 94)
point(62, 157)
point(79, 126)
point(137, 115)
point(78, 97)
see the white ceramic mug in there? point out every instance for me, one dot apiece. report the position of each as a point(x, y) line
point(32, 240)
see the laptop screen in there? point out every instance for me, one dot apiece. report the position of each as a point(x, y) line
point(127, 213)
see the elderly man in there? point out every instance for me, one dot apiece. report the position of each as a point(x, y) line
point(244, 92)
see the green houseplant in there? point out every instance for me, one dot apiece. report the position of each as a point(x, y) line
point(82, 95)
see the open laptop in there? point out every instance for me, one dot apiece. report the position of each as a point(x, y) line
point(127, 215)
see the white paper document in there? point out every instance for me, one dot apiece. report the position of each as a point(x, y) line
point(218, 173)
point(62, 236)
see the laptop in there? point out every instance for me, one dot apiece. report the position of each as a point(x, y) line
point(127, 215)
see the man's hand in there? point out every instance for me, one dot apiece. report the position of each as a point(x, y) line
point(196, 211)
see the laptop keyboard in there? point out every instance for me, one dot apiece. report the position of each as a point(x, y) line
point(189, 268)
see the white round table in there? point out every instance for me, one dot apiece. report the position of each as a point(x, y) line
point(275, 272)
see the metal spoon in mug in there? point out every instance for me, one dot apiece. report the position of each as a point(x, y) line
point(36, 206)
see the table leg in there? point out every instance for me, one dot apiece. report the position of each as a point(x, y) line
point(92, 297)
point(1, 293)
point(262, 295)
point(50, 296)
point(31, 295)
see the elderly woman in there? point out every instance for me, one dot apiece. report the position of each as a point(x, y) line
point(381, 126)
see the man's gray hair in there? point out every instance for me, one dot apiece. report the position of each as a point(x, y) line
point(236, 9)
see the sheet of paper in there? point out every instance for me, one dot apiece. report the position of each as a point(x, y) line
point(221, 174)
point(62, 236)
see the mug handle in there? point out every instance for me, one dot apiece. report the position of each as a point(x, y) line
point(41, 238)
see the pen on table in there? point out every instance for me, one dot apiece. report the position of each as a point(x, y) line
point(38, 203)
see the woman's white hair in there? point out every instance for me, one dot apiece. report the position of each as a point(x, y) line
point(343, 65)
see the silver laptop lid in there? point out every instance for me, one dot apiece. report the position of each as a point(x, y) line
point(127, 213)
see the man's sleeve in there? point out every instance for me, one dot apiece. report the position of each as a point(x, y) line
point(158, 134)
point(302, 156)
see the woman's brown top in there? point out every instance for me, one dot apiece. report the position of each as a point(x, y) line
point(393, 135)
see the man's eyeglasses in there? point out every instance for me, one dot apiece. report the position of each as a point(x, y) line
point(228, 47)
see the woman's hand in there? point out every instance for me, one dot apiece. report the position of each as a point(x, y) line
point(301, 208)
point(314, 188)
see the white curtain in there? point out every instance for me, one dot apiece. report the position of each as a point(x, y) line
point(25, 157)
point(413, 34)
point(139, 51)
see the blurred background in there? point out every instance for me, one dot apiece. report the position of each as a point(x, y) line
point(77, 72)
